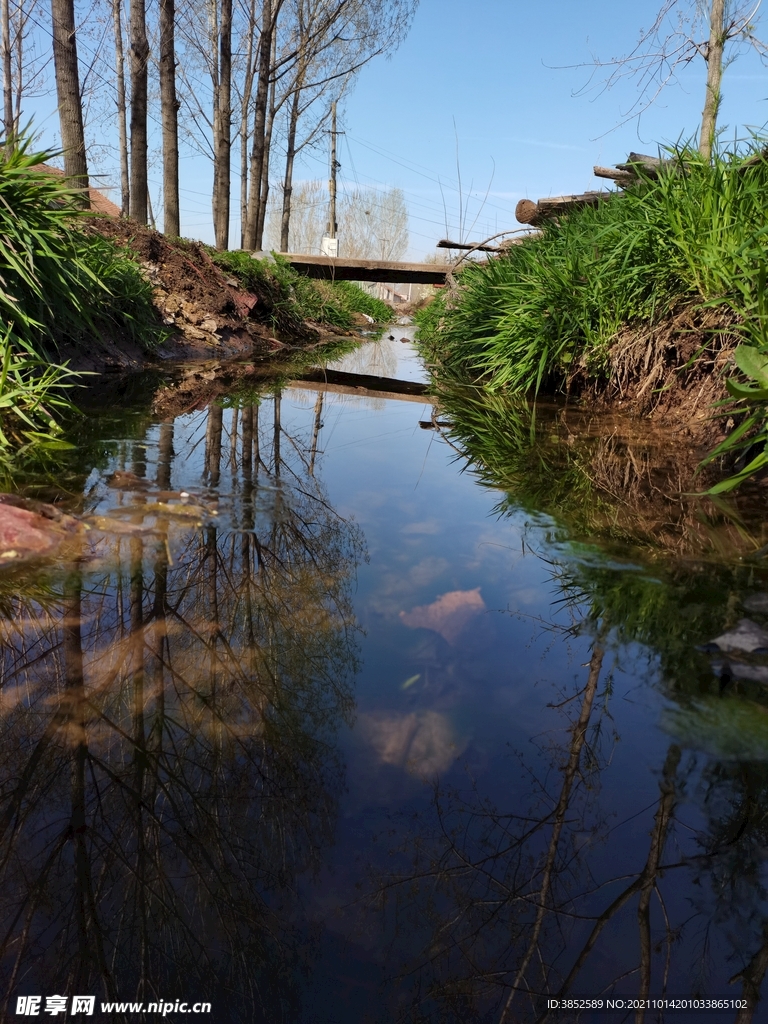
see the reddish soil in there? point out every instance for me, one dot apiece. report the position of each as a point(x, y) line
point(210, 315)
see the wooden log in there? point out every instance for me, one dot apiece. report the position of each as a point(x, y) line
point(556, 204)
point(753, 161)
point(620, 177)
point(650, 164)
point(445, 244)
point(528, 212)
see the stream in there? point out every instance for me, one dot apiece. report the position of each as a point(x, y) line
point(342, 711)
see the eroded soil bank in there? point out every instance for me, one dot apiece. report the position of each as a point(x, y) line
point(206, 312)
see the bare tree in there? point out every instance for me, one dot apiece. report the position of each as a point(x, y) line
point(334, 43)
point(222, 125)
point(373, 224)
point(269, 14)
point(308, 215)
point(139, 62)
point(23, 67)
point(682, 31)
point(169, 108)
point(8, 120)
point(122, 112)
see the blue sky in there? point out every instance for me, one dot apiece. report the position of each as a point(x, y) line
point(498, 81)
point(493, 78)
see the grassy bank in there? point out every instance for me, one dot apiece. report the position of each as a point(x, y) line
point(68, 281)
point(295, 299)
point(588, 302)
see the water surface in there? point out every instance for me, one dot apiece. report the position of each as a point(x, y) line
point(331, 716)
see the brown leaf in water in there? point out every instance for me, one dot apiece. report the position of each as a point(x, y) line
point(449, 615)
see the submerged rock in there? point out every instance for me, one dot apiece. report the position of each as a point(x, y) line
point(31, 529)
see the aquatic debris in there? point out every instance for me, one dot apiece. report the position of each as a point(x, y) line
point(123, 480)
point(114, 521)
point(449, 615)
point(747, 637)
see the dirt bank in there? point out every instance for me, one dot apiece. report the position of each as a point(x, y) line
point(207, 314)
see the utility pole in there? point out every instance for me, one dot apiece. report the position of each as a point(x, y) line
point(332, 182)
point(330, 244)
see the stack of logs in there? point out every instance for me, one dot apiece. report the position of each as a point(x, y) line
point(637, 166)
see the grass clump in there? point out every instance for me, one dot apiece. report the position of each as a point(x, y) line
point(293, 298)
point(57, 285)
point(547, 313)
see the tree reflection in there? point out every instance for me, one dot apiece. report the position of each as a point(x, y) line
point(169, 764)
point(539, 896)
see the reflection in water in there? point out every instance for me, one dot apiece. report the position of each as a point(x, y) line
point(557, 775)
point(171, 699)
point(423, 743)
point(449, 615)
point(540, 895)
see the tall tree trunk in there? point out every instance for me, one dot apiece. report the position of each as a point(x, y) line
point(264, 190)
point(251, 240)
point(5, 18)
point(714, 75)
point(19, 87)
point(244, 136)
point(169, 112)
point(222, 141)
point(68, 93)
point(139, 59)
point(122, 114)
point(290, 156)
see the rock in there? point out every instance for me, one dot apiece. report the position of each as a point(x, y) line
point(31, 529)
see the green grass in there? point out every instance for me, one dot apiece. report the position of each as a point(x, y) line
point(293, 298)
point(58, 285)
point(550, 310)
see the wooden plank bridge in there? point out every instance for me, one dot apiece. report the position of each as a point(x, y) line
point(339, 268)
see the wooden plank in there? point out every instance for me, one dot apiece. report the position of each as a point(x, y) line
point(340, 268)
point(361, 392)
